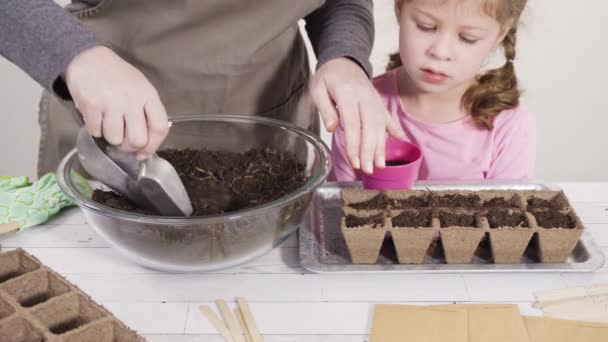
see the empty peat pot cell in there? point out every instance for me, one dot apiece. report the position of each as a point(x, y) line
point(503, 218)
point(500, 202)
point(549, 218)
point(455, 200)
point(556, 202)
point(380, 201)
point(456, 219)
point(413, 218)
point(35, 288)
point(68, 313)
point(375, 221)
point(14, 264)
point(414, 201)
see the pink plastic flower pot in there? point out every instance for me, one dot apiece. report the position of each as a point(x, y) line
point(403, 161)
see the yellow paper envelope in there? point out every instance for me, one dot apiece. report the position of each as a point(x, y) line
point(398, 323)
point(482, 322)
point(541, 329)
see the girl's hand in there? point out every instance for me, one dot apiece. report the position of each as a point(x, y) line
point(117, 101)
point(345, 96)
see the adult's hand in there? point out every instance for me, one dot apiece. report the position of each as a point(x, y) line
point(117, 101)
point(346, 97)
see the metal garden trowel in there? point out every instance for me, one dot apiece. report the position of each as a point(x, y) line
point(152, 183)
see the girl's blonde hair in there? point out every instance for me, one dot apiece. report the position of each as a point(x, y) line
point(497, 89)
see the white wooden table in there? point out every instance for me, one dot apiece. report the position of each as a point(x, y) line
point(289, 303)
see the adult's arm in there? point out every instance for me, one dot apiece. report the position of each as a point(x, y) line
point(342, 28)
point(42, 38)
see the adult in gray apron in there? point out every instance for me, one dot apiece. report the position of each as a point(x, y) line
point(211, 56)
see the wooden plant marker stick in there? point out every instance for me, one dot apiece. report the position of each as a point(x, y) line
point(6, 228)
point(239, 317)
point(216, 322)
point(233, 326)
point(249, 320)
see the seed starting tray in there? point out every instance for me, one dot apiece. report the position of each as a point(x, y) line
point(37, 304)
point(324, 249)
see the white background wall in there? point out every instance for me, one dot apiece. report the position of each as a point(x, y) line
point(563, 67)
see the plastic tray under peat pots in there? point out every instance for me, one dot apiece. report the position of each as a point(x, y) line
point(446, 228)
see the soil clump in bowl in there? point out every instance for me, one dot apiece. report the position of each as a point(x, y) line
point(221, 182)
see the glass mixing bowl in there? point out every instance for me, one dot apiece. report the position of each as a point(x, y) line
point(199, 244)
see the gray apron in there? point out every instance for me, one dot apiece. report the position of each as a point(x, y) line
point(204, 57)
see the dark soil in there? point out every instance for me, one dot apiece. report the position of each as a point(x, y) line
point(500, 202)
point(376, 221)
point(410, 202)
point(554, 219)
point(116, 201)
point(414, 218)
point(380, 201)
point(450, 219)
point(557, 202)
point(455, 200)
point(221, 182)
point(498, 218)
point(396, 162)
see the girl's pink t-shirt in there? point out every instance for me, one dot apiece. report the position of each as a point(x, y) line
point(457, 150)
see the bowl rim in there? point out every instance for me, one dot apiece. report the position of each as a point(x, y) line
point(67, 186)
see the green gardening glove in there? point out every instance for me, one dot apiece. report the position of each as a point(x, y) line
point(24, 205)
point(10, 183)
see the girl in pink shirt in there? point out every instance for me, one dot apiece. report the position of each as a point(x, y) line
point(469, 124)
